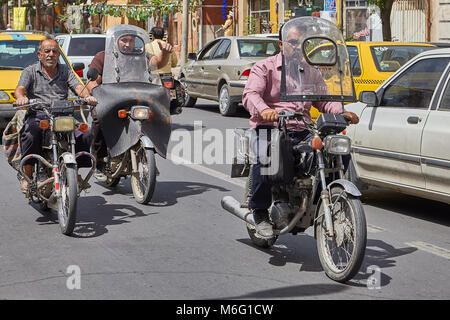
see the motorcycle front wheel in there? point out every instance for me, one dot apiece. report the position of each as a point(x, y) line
point(67, 202)
point(342, 254)
point(143, 182)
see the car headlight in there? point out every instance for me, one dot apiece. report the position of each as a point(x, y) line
point(337, 144)
point(63, 124)
point(140, 112)
point(4, 96)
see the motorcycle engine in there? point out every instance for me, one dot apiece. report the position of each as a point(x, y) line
point(281, 214)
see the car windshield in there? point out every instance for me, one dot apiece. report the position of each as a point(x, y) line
point(257, 48)
point(18, 54)
point(391, 58)
point(85, 46)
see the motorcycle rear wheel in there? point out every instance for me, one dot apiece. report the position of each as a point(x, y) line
point(143, 183)
point(341, 256)
point(67, 203)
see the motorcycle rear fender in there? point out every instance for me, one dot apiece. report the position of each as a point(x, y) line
point(349, 188)
point(68, 158)
point(147, 142)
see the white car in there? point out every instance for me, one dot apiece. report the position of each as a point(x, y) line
point(81, 48)
point(402, 141)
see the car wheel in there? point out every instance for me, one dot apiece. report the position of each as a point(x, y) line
point(188, 100)
point(226, 107)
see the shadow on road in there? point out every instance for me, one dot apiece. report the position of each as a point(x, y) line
point(167, 192)
point(420, 208)
point(299, 250)
point(380, 255)
point(94, 215)
point(302, 250)
point(292, 291)
point(213, 107)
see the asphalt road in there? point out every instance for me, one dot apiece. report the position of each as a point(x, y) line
point(183, 245)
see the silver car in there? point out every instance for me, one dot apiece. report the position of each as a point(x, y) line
point(402, 139)
point(220, 70)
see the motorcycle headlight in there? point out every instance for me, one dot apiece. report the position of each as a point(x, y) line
point(4, 96)
point(63, 124)
point(140, 112)
point(337, 144)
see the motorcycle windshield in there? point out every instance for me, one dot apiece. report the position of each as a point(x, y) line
point(125, 56)
point(315, 64)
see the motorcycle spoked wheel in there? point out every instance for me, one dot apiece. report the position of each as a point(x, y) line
point(67, 203)
point(341, 256)
point(143, 182)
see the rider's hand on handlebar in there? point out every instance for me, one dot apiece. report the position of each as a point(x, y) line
point(269, 115)
point(92, 101)
point(351, 117)
point(22, 101)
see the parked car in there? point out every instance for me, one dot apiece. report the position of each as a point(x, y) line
point(401, 141)
point(18, 50)
point(374, 62)
point(81, 48)
point(220, 70)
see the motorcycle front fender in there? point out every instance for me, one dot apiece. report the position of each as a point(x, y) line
point(68, 158)
point(348, 186)
point(147, 142)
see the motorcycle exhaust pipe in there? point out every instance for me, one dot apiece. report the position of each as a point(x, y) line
point(233, 206)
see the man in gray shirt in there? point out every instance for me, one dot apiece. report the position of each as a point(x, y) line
point(46, 80)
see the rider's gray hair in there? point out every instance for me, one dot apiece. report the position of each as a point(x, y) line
point(47, 37)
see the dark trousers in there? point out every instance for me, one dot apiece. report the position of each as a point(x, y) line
point(98, 146)
point(260, 188)
point(31, 139)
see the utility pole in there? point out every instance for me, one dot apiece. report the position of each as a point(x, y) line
point(184, 32)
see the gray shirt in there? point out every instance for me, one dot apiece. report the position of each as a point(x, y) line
point(40, 86)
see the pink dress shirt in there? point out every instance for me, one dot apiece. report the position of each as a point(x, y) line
point(262, 91)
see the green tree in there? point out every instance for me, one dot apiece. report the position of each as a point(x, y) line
point(385, 13)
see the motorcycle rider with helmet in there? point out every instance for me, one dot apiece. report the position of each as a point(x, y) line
point(126, 44)
point(261, 98)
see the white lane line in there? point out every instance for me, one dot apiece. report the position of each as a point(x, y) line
point(441, 252)
point(211, 172)
point(374, 229)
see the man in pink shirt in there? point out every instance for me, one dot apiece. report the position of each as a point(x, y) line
point(261, 98)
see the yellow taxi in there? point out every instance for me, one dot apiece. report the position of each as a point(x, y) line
point(18, 49)
point(374, 62)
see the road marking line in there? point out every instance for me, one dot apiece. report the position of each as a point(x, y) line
point(442, 252)
point(206, 170)
point(374, 229)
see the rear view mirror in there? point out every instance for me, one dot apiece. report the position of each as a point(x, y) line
point(368, 97)
point(92, 74)
point(192, 56)
point(77, 66)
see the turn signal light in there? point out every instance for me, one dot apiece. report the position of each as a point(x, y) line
point(122, 114)
point(168, 84)
point(83, 127)
point(316, 143)
point(44, 124)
